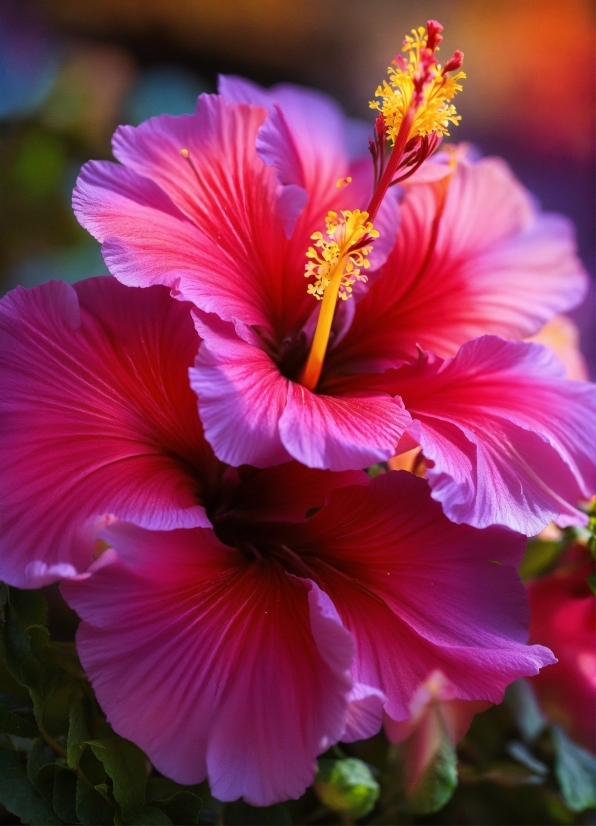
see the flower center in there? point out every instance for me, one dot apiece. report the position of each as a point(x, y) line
point(415, 112)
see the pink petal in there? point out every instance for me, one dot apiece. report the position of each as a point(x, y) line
point(228, 254)
point(241, 395)
point(511, 441)
point(354, 430)
point(253, 415)
point(97, 417)
point(473, 256)
point(420, 593)
point(308, 123)
point(304, 138)
point(276, 147)
point(365, 713)
point(214, 666)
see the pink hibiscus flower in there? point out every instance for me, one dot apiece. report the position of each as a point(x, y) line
point(223, 205)
point(239, 621)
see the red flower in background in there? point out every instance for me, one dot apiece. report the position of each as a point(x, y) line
point(564, 618)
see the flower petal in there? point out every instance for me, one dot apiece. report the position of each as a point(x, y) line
point(97, 417)
point(352, 430)
point(309, 124)
point(241, 395)
point(420, 593)
point(214, 666)
point(365, 713)
point(228, 255)
point(473, 256)
point(510, 439)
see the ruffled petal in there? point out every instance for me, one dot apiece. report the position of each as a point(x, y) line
point(214, 666)
point(97, 417)
point(227, 255)
point(304, 139)
point(365, 713)
point(473, 256)
point(304, 136)
point(510, 440)
point(419, 592)
point(352, 430)
point(241, 395)
point(253, 415)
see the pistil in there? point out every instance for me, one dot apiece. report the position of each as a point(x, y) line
point(414, 114)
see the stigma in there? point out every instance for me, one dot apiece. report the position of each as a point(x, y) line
point(418, 84)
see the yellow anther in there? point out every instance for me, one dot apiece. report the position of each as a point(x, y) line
point(336, 265)
point(419, 80)
point(334, 261)
point(185, 153)
point(343, 182)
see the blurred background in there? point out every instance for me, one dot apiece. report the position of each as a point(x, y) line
point(71, 71)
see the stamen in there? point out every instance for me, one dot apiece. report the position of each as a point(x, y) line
point(414, 115)
point(343, 182)
point(415, 106)
point(418, 80)
point(336, 265)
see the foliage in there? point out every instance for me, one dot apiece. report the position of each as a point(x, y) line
point(60, 762)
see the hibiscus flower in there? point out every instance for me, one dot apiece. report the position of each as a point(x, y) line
point(223, 207)
point(236, 623)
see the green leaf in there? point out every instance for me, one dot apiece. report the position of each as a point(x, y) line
point(126, 764)
point(92, 768)
point(522, 701)
point(182, 808)
point(44, 782)
point(150, 816)
point(438, 781)
point(40, 755)
point(91, 807)
point(17, 793)
point(347, 786)
point(63, 655)
point(14, 724)
point(9, 686)
point(30, 607)
point(78, 730)
point(575, 769)
point(540, 557)
point(520, 752)
point(65, 793)
point(240, 813)
point(18, 654)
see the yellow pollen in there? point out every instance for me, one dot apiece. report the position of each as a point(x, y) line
point(335, 262)
point(343, 182)
point(419, 69)
point(336, 266)
point(185, 153)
